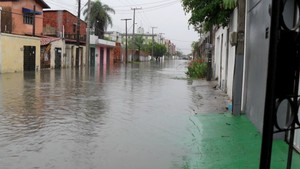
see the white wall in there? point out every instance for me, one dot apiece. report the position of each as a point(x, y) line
point(57, 44)
point(231, 54)
point(220, 57)
point(224, 56)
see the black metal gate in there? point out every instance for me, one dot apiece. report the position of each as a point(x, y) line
point(101, 56)
point(92, 57)
point(283, 79)
point(57, 58)
point(29, 58)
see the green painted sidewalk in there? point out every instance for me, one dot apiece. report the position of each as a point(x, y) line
point(223, 141)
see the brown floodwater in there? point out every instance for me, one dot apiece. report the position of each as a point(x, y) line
point(123, 117)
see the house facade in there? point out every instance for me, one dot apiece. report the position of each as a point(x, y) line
point(21, 27)
point(102, 52)
point(63, 24)
point(52, 50)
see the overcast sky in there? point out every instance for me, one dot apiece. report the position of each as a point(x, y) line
point(167, 15)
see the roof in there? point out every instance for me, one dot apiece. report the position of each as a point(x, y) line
point(47, 40)
point(42, 3)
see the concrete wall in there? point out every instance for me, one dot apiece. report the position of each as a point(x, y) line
point(55, 20)
point(220, 56)
point(224, 55)
point(231, 55)
point(256, 60)
point(70, 56)
point(12, 48)
point(58, 44)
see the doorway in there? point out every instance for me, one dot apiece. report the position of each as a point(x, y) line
point(92, 57)
point(57, 58)
point(29, 58)
point(101, 57)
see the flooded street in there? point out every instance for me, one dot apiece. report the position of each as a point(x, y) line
point(124, 117)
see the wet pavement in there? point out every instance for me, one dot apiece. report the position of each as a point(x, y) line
point(230, 142)
point(131, 117)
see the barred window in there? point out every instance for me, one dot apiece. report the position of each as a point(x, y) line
point(28, 18)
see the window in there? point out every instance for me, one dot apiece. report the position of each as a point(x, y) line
point(28, 18)
point(74, 27)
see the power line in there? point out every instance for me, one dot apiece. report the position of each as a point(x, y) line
point(145, 4)
point(149, 8)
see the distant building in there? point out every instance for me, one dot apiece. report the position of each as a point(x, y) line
point(140, 30)
point(113, 36)
point(171, 48)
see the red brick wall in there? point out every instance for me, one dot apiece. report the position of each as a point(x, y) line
point(58, 19)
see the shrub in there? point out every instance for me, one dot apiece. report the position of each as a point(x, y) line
point(197, 69)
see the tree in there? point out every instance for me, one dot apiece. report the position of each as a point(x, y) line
point(139, 42)
point(207, 13)
point(196, 49)
point(99, 17)
point(179, 53)
point(158, 49)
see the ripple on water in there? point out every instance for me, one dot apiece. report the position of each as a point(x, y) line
point(125, 117)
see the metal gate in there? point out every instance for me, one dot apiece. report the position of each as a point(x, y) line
point(92, 57)
point(29, 58)
point(57, 58)
point(283, 78)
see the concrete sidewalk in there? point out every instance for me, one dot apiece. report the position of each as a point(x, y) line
point(223, 141)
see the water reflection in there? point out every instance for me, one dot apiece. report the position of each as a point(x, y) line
point(125, 116)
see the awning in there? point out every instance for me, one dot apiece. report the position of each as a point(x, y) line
point(31, 11)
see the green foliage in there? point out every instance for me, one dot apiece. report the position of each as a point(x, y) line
point(179, 53)
point(99, 17)
point(158, 49)
point(196, 49)
point(197, 69)
point(207, 13)
point(229, 4)
point(138, 43)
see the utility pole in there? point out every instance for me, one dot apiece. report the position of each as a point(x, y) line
point(78, 35)
point(126, 52)
point(153, 38)
point(133, 29)
point(88, 34)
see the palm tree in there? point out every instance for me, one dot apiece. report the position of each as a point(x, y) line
point(229, 4)
point(99, 17)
